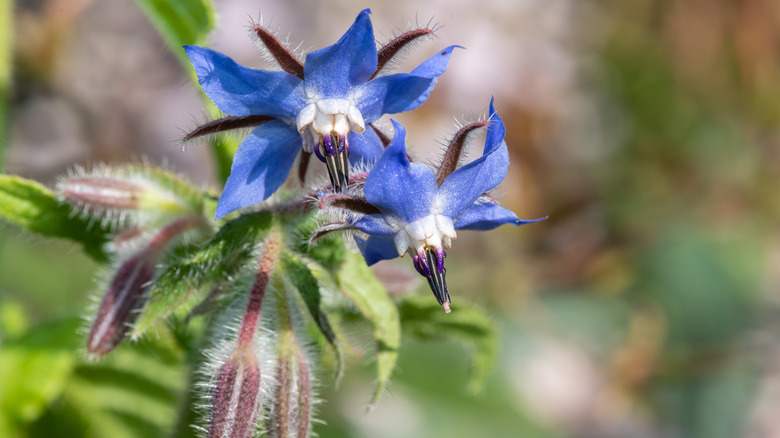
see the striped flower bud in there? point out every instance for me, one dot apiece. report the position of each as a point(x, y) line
point(126, 293)
point(121, 303)
point(291, 411)
point(235, 400)
point(100, 194)
point(117, 193)
point(236, 397)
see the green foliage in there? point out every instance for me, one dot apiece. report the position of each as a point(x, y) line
point(46, 384)
point(33, 207)
point(360, 285)
point(467, 323)
point(217, 260)
point(180, 22)
point(329, 251)
point(34, 370)
point(303, 280)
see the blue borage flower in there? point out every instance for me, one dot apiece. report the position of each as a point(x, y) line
point(410, 209)
point(322, 105)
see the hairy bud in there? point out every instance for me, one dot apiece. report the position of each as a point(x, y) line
point(291, 411)
point(121, 304)
point(113, 194)
point(126, 294)
point(236, 397)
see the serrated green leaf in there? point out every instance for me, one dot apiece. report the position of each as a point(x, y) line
point(32, 206)
point(219, 258)
point(424, 317)
point(303, 280)
point(359, 284)
point(180, 22)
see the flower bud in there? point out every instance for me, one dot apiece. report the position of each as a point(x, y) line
point(235, 400)
point(290, 414)
point(121, 304)
point(122, 192)
point(101, 194)
point(126, 294)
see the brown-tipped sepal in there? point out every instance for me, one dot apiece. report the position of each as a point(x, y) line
point(391, 51)
point(278, 51)
point(454, 151)
point(236, 396)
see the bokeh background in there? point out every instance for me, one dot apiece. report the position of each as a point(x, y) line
point(647, 305)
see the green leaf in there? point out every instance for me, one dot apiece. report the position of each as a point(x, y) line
point(329, 251)
point(424, 317)
point(132, 393)
point(32, 206)
point(219, 259)
point(300, 276)
point(34, 370)
point(359, 284)
point(180, 22)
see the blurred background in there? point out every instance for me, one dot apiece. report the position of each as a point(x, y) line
point(647, 305)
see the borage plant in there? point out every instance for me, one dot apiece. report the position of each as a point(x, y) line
point(263, 297)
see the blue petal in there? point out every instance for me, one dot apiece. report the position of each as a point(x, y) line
point(240, 91)
point(396, 186)
point(465, 185)
point(375, 225)
point(375, 249)
point(402, 91)
point(364, 147)
point(331, 72)
point(496, 130)
point(486, 216)
point(260, 166)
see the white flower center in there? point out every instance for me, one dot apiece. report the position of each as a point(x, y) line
point(434, 230)
point(326, 116)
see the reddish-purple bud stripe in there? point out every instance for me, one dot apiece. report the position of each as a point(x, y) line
point(234, 403)
point(121, 303)
point(268, 260)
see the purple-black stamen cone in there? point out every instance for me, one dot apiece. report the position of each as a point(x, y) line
point(434, 258)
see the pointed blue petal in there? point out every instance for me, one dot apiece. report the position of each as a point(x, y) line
point(375, 225)
point(465, 185)
point(260, 166)
point(496, 130)
point(365, 147)
point(240, 91)
point(331, 72)
point(376, 249)
point(396, 186)
point(402, 92)
point(485, 216)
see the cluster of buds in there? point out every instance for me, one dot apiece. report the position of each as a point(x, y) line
point(151, 211)
point(235, 402)
point(126, 293)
